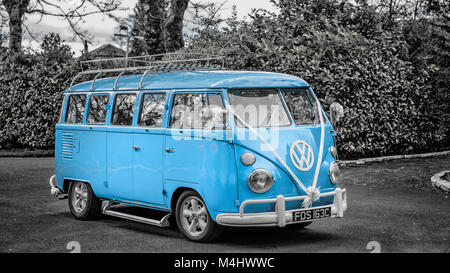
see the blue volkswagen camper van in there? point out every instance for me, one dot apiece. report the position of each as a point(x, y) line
point(203, 146)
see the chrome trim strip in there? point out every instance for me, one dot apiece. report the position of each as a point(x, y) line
point(164, 222)
point(139, 204)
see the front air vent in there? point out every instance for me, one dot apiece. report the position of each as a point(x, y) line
point(67, 145)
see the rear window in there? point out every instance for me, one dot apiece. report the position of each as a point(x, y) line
point(75, 109)
point(123, 109)
point(97, 109)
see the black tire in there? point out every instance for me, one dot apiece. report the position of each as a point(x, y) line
point(212, 230)
point(93, 206)
point(298, 225)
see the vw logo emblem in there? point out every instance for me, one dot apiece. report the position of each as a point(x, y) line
point(302, 155)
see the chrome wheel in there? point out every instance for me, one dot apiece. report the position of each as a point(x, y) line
point(193, 216)
point(79, 197)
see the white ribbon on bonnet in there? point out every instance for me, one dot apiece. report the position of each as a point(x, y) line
point(313, 193)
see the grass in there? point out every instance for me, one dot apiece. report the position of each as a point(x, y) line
point(26, 153)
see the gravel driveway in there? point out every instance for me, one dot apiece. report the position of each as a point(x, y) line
point(390, 203)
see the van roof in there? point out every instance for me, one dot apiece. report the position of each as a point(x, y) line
point(194, 80)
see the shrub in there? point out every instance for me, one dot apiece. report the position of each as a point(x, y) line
point(348, 54)
point(32, 87)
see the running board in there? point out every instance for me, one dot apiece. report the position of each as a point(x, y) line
point(164, 222)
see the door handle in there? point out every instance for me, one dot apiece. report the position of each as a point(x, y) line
point(136, 148)
point(169, 150)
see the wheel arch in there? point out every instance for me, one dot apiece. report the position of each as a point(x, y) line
point(175, 188)
point(177, 193)
point(68, 181)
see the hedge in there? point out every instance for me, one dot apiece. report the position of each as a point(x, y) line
point(392, 104)
point(31, 88)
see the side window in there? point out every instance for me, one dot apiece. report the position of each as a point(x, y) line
point(123, 109)
point(186, 111)
point(75, 109)
point(97, 109)
point(152, 110)
point(192, 111)
point(302, 106)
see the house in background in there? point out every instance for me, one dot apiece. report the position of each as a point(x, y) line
point(104, 52)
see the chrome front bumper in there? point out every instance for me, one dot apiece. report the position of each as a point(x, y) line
point(280, 217)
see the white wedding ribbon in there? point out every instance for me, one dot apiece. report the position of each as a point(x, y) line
point(313, 193)
point(322, 140)
point(270, 148)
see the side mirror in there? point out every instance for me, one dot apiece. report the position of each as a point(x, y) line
point(336, 112)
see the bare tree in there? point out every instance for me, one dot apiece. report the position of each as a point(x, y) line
point(173, 25)
point(149, 22)
point(16, 10)
point(161, 23)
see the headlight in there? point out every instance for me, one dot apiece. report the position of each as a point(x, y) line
point(333, 152)
point(260, 181)
point(335, 172)
point(248, 159)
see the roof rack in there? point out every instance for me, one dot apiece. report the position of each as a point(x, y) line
point(151, 64)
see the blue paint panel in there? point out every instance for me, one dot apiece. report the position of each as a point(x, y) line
point(120, 163)
point(87, 160)
point(148, 166)
point(207, 161)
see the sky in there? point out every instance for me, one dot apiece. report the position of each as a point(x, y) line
point(102, 27)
